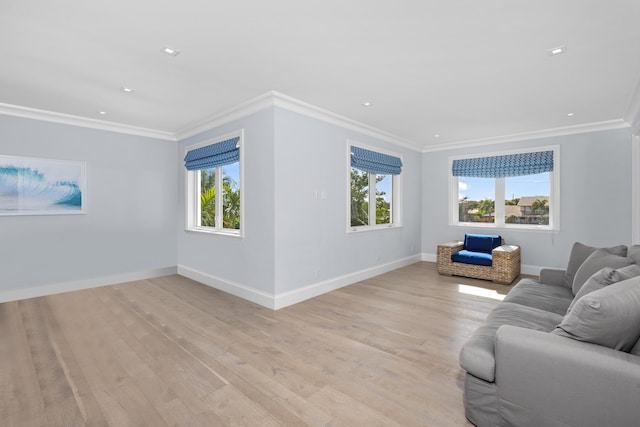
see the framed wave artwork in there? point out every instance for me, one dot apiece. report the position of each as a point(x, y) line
point(32, 186)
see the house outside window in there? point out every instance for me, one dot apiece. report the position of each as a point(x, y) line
point(214, 186)
point(374, 188)
point(515, 189)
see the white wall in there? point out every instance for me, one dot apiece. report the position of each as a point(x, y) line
point(231, 262)
point(128, 230)
point(595, 195)
point(312, 244)
point(292, 240)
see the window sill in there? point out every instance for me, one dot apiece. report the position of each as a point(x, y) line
point(225, 233)
point(536, 228)
point(369, 228)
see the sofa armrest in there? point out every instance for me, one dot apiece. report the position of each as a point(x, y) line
point(505, 263)
point(552, 276)
point(445, 250)
point(552, 380)
point(451, 247)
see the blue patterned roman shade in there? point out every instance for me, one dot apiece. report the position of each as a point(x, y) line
point(503, 166)
point(374, 162)
point(214, 155)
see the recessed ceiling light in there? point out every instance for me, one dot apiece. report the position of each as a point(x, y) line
point(103, 113)
point(557, 50)
point(437, 135)
point(127, 89)
point(170, 51)
point(367, 104)
point(570, 114)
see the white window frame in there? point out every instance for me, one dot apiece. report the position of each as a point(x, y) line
point(192, 181)
point(554, 194)
point(396, 193)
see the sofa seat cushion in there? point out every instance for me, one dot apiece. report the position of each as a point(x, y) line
point(477, 356)
point(531, 293)
point(469, 257)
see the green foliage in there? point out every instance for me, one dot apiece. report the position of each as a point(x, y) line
point(540, 207)
point(512, 219)
point(231, 205)
point(487, 206)
point(230, 201)
point(359, 198)
point(208, 198)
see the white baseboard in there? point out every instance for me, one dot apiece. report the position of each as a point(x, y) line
point(298, 295)
point(257, 296)
point(533, 270)
point(429, 257)
point(295, 296)
point(76, 285)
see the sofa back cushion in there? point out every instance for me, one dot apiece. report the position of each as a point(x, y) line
point(579, 253)
point(481, 242)
point(609, 316)
point(634, 253)
point(599, 259)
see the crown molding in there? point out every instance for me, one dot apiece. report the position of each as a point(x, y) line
point(225, 116)
point(277, 99)
point(309, 110)
point(68, 119)
point(547, 133)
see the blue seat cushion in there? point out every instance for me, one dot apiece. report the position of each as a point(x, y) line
point(469, 257)
point(481, 242)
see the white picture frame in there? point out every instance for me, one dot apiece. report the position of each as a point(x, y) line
point(37, 186)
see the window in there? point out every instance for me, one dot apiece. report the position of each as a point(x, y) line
point(511, 190)
point(374, 179)
point(214, 186)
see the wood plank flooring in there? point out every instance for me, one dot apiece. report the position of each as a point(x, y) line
point(173, 352)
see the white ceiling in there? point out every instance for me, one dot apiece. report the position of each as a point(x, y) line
point(465, 70)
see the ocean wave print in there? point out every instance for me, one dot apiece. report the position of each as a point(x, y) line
point(26, 188)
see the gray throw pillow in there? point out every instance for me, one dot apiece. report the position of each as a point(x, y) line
point(605, 277)
point(579, 253)
point(593, 283)
point(598, 260)
point(620, 274)
point(609, 316)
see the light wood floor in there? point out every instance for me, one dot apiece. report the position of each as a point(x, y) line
point(170, 351)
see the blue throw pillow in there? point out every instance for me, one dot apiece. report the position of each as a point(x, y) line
point(481, 242)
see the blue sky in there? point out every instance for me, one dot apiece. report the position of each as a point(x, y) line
point(384, 185)
point(517, 186)
point(232, 170)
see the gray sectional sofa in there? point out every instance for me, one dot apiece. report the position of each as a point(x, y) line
point(561, 351)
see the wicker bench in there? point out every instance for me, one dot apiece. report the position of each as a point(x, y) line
point(505, 266)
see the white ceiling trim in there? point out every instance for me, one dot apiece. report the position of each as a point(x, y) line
point(68, 119)
point(277, 99)
point(241, 110)
point(568, 130)
point(297, 106)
